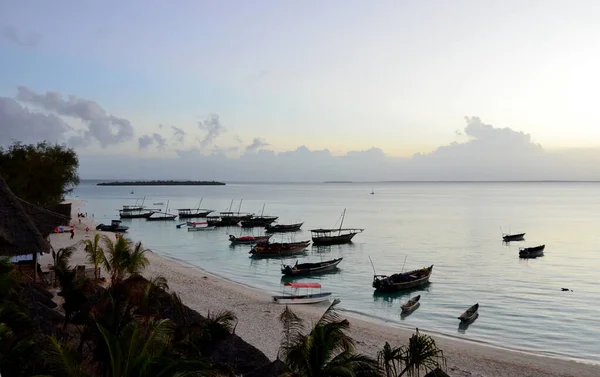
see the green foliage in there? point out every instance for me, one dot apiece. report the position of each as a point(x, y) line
point(39, 173)
point(94, 252)
point(122, 259)
point(421, 354)
point(326, 351)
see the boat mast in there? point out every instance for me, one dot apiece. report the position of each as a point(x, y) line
point(240, 207)
point(230, 205)
point(167, 209)
point(342, 222)
point(263, 210)
point(199, 204)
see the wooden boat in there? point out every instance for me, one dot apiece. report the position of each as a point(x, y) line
point(257, 221)
point(282, 228)
point(197, 227)
point(247, 240)
point(190, 213)
point(181, 225)
point(403, 280)
point(303, 269)
point(115, 226)
point(411, 304)
point(532, 252)
point(334, 236)
point(136, 211)
point(278, 249)
point(470, 314)
point(311, 298)
point(162, 216)
point(513, 237)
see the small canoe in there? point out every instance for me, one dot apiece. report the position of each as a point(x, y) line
point(532, 252)
point(411, 304)
point(311, 298)
point(470, 314)
point(513, 237)
point(180, 225)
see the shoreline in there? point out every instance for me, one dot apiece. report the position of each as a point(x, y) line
point(258, 322)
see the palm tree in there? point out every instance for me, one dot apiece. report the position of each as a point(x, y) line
point(94, 252)
point(61, 261)
point(122, 259)
point(326, 351)
point(421, 353)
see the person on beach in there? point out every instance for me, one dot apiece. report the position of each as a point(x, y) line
point(72, 233)
point(87, 229)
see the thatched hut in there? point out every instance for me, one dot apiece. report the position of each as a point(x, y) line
point(24, 227)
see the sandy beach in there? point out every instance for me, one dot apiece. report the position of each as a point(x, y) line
point(258, 321)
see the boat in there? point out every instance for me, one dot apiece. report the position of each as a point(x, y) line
point(411, 304)
point(162, 216)
point(256, 221)
point(303, 269)
point(136, 211)
point(372, 192)
point(311, 298)
point(532, 252)
point(159, 204)
point(247, 240)
point(199, 226)
point(403, 280)
point(334, 236)
point(181, 225)
point(282, 228)
point(190, 213)
point(278, 249)
point(115, 226)
point(470, 314)
point(513, 237)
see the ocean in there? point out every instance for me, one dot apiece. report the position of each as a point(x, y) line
point(454, 226)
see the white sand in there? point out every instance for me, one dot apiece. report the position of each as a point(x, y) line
point(258, 321)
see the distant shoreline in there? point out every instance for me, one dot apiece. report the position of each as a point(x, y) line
point(161, 183)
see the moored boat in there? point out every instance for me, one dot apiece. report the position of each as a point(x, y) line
point(162, 216)
point(470, 314)
point(190, 213)
point(532, 252)
point(282, 228)
point(403, 280)
point(334, 236)
point(257, 221)
point(304, 269)
point(311, 298)
point(247, 240)
point(136, 211)
point(115, 226)
point(411, 304)
point(278, 249)
point(513, 237)
point(199, 226)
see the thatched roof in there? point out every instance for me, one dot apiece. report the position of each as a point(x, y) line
point(18, 233)
point(46, 221)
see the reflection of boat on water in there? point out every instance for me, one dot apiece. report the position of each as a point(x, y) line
point(311, 298)
point(304, 269)
point(334, 236)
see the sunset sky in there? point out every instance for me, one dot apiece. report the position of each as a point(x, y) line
point(159, 79)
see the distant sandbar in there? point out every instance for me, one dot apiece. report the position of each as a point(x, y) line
point(161, 183)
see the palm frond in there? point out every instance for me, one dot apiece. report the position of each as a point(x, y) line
point(63, 359)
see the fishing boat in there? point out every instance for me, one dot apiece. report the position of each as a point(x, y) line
point(334, 236)
point(311, 298)
point(513, 237)
point(411, 304)
point(282, 228)
point(256, 221)
point(247, 240)
point(115, 226)
point(190, 213)
point(162, 216)
point(403, 280)
point(278, 249)
point(136, 211)
point(470, 314)
point(532, 252)
point(199, 226)
point(303, 269)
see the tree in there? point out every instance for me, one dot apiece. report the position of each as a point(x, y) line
point(421, 353)
point(326, 351)
point(94, 252)
point(40, 173)
point(122, 259)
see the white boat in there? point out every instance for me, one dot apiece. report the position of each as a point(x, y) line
point(311, 298)
point(470, 314)
point(197, 226)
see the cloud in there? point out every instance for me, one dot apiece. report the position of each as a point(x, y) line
point(178, 133)
point(213, 129)
point(102, 127)
point(18, 123)
point(256, 145)
point(146, 140)
point(26, 40)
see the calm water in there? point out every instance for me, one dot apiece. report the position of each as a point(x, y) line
point(455, 226)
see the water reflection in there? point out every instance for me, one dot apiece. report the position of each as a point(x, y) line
point(463, 326)
point(327, 249)
point(391, 296)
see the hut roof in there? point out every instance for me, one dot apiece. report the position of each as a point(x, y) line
point(18, 233)
point(46, 221)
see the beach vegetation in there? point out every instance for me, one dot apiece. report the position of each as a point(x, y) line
point(94, 252)
point(41, 173)
point(123, 258)
point(421, 354)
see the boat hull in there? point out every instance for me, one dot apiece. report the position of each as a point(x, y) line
point(142, 215)
point(302, 299)
point(258, 222)
point(513, 237)
point(251, 241)
point(109, 228)
point(396, 283)
point(470, 314)
point(334, 240)
point(194, 215)
point(283, 228)
point(278, 249)
point(319, 269)
point(161, 218)
point(200, 228)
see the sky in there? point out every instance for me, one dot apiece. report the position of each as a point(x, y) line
point(395, 90)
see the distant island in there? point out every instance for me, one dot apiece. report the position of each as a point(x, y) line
point(161, 183)
point(339, 182)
